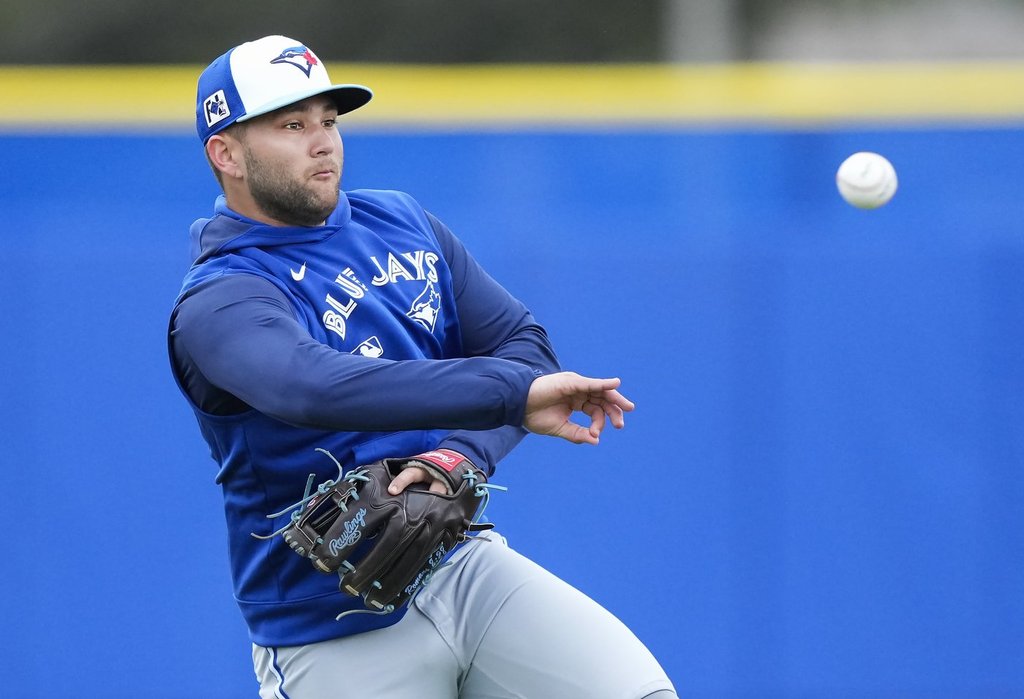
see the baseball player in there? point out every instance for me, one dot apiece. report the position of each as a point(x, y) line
point(320, 331)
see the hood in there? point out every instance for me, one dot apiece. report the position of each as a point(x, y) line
point(229, 230)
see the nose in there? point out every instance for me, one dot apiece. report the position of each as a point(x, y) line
point(323, 142)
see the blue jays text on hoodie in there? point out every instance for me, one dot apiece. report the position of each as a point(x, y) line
point(375, 335)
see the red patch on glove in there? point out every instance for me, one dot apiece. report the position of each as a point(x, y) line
point(442, 458)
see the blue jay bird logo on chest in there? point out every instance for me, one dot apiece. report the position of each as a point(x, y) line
point(427, 307)
point(300, 57)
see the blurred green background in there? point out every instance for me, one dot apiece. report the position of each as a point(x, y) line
point(454, 31)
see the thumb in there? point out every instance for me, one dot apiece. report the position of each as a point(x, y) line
point(577, 434)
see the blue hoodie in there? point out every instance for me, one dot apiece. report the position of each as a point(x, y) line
point(375, 335)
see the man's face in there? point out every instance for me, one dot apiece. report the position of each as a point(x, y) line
point(293, 162)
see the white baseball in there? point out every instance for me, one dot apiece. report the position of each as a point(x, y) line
point(866, 180)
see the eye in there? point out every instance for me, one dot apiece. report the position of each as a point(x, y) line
point(293, 125)
point(330, 123)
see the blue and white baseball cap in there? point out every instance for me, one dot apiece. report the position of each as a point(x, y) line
point(260, 76)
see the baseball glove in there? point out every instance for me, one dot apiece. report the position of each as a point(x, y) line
point(386, 547)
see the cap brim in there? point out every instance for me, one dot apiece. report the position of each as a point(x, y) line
point(347, 98)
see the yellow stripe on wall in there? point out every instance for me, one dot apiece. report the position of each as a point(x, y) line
point(77, 97)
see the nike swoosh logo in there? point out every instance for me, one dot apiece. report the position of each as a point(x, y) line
point(297, 276)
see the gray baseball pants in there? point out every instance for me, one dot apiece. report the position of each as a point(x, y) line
point(492, 625)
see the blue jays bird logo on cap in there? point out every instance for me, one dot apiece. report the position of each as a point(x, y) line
point(300, 57)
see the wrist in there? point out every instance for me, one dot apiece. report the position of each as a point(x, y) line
point(446, 459)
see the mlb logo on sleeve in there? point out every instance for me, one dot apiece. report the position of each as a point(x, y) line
point(216, 108)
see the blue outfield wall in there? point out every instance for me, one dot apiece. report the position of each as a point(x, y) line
point(819, 494)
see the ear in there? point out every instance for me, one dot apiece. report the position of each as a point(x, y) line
point(225, 154)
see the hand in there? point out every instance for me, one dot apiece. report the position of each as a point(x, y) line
point(554, 398)
point(415, 474)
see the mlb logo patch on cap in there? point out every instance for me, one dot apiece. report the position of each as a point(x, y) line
point(216, 108)
point(260, 76)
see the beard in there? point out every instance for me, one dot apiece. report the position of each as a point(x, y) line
point(283, 197)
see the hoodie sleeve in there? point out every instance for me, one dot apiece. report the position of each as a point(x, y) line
point(236, 345)
point(496, 324)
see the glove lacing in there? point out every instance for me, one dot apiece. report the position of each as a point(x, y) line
point(353, 477)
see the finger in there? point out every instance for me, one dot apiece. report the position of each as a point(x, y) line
point(584, 384)
point(439, 487)
point(615, 398)
point(407, 477)
point(597, 418)
point(615, 415)
point(612, 411)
